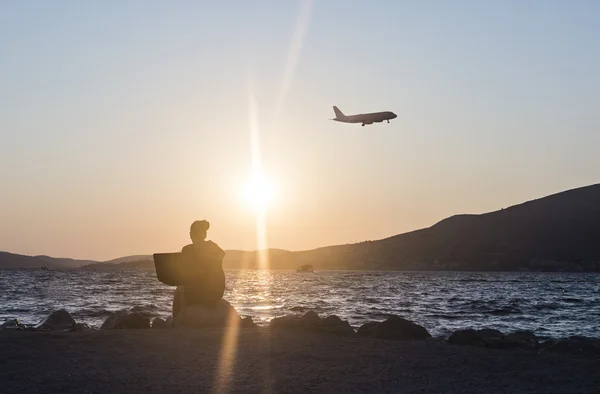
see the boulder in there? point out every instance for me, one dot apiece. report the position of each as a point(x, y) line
point(80, 327)
point(198, 316)
point(119, 321)
point(312, 322)
point(395, 328)
point(575, 345)
point(494, 339)
point(471, 337)
point(59, 320)
point(365, 329)
point(12, 324)
point(335, 325)
point(522, 339)
point(159, 323)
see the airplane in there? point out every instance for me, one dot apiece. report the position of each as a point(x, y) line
point(363, 118)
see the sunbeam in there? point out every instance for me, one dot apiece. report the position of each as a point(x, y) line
point(227, 354)
point(296, 43)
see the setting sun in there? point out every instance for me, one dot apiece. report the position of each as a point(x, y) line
point(259, 193)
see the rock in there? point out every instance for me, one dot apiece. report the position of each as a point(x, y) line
point(119, 321)
point(12, 324)
point(311, 317)
point(494, 339)
point(59, 320)
point(470, 337)
point(522, 339)
point(312, 322)
point(365, 329)
point(395, 328)
point(336, 325)
point(159, 323)
point(80, 327)
point(144, 310)
point(285, 322)
point(575, 345)
point(198, 316)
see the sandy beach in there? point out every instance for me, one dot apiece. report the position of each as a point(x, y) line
point(265, 361)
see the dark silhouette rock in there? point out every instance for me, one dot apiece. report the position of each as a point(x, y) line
point(159, 323)
point(81, 327)
point(120, 321)
point(575, 345)
point(494, 339)
point(522, 339)
point(395, 328)
point(470, 337)
point(59, 320)
point(199, 316)
point(12, 324)
point(335, 325)
point(144, 310)
point(365, 329)
point(311, 317)
point(285, 322)
point(311, 321)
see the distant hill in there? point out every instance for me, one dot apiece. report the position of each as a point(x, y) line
point(560, 232)
point(128, 259)
point(11, 260)
point(146, 264)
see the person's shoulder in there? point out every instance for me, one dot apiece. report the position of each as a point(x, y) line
point(187, 248)
point(214, 246)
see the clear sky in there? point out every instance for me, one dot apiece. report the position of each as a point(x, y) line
point(121, 122)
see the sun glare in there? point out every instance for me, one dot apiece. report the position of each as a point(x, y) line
point(259, 194)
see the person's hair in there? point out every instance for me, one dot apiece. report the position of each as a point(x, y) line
point(199, 225)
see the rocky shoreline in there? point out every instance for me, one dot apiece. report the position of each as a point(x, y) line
point(394, 328)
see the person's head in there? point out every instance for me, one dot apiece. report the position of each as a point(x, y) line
point(198, 230)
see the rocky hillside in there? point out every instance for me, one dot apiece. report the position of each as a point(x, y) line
point(558, 232)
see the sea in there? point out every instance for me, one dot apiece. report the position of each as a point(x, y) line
point(551, 305)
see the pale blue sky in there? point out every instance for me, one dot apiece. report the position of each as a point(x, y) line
point(122, 122)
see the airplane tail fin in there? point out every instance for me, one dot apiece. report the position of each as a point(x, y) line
point(338, 114)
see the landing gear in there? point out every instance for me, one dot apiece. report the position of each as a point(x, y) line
point(388, 120)
point(362, 124)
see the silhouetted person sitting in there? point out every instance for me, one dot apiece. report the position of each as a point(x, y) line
point(206, 283)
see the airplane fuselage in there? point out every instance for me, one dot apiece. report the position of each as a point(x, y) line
point(369, 118)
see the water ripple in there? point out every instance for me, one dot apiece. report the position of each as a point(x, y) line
point(549, 304)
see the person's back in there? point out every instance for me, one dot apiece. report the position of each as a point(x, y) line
point(206, 284)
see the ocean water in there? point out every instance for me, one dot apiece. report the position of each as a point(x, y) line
point(549, 304)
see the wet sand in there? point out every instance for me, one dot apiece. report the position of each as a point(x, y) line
point(192, 361)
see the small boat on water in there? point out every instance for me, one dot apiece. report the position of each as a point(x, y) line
point(44, 267)
point(305, 268)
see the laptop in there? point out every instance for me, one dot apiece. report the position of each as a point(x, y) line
point(171, 268)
